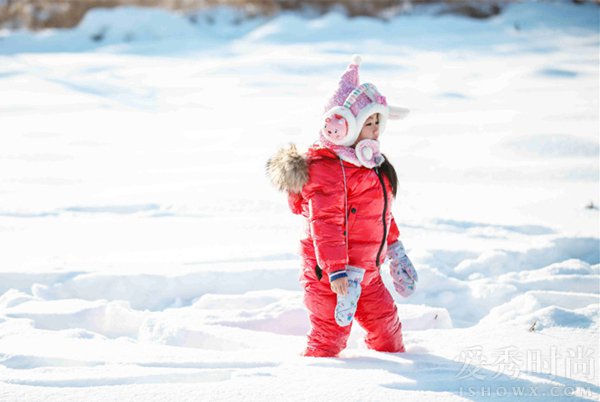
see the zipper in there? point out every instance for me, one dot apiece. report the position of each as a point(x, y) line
point(385, 201)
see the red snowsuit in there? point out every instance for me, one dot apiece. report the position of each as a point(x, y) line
point(348, 222)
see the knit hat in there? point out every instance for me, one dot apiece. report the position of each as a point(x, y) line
point(352, 104)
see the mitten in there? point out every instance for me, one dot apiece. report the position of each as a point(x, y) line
point(346, 304)
point(402, 270)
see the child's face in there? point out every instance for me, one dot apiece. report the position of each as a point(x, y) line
point(370, 130)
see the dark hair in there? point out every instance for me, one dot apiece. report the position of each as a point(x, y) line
point(388, 169)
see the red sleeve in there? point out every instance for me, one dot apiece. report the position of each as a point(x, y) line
point(326, 202)
point(295, 202)
point(394, 232)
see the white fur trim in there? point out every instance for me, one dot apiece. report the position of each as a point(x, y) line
point(368, 111)
point(353, 131)
point(397, 113)
point(356, 59)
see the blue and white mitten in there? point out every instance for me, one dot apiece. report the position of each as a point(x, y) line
point(402, 270)
point(346, 304)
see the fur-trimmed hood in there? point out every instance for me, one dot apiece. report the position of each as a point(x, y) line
point(288, 169)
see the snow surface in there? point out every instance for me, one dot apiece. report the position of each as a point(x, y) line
point(144, 255)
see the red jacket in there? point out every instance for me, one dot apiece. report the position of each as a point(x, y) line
point(343, 202)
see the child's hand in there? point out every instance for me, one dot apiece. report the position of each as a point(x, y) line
point(340, 286)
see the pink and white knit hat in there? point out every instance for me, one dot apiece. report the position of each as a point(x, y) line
point(352, 104)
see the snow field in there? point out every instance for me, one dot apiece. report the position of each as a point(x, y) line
point(145, 256)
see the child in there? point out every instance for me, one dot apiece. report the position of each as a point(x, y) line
point(344, 187)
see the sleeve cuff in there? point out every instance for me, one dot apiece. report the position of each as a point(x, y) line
point(337, 275)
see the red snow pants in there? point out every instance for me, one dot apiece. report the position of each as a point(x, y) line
point(376, 313)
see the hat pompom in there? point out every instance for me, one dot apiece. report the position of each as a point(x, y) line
point(356, 59)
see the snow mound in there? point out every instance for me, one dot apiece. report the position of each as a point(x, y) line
point(497, 262)
point(572, 275)
point(421, 317)
point(126, 24)
point(225, 22)
point(546, 309)
point(249, 300)
point(13, 297)
point(493, 284)
point(157, 292)
point(275, 310)
point(159, 263)
point(111, 319)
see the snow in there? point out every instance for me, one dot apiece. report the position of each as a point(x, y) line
point(145, 256)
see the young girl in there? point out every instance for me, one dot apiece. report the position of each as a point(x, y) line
point(344, 187)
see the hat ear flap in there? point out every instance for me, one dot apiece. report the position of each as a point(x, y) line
point(339, 126)
point(397, 113)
